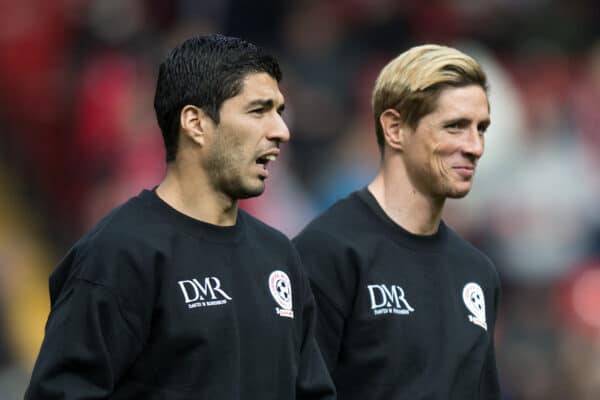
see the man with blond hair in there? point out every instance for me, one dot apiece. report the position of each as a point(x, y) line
point(407, 308)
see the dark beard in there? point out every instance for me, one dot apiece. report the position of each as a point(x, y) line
point(232, 187)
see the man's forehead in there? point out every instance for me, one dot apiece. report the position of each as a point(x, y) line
point(260, 85)
point(471, 99)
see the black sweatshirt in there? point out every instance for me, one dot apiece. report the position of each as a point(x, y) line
point(152, 304)
point(400, 316)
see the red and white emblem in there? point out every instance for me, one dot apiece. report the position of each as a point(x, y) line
point(281, 290)
point(475, 303)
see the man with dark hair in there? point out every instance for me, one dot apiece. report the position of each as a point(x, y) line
point(178, 294)
point(407, 308)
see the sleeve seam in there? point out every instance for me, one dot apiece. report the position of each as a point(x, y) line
point(122, 311)
point(329, 301)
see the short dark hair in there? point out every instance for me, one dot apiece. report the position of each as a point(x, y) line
point(204, 71)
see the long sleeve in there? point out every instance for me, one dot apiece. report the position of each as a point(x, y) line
point(489, 388)
point(314, 381)
point(333, 283)
point(88, 346)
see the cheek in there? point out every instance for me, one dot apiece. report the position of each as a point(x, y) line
point(438, 158)
point(445, 150)
point(234, 148)
point(443, 154)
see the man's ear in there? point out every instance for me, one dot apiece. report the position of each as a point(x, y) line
point(194, 123)
point(393, 128)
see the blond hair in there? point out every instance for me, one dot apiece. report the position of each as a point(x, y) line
point(411, 83)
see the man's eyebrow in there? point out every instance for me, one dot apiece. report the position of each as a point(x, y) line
point(484, 124)
point(268, 103)
point(263, 103)
point(465, 121)
point(459, 120)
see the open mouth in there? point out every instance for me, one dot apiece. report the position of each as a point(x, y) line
point(264, 160)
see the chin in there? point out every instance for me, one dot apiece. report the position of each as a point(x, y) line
point(248, 192)
point(458, 193)
point(454, 190)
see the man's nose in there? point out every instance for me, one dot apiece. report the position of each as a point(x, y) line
point(278, 130)
point(474, 143)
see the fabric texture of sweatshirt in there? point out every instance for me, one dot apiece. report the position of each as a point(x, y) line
point(400, 316)
point(152, 304)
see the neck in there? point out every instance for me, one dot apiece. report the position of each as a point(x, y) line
point(190, 193)
point(403, 202)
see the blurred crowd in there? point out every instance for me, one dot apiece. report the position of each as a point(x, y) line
point(78, 136)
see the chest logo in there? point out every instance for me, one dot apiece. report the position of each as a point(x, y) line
point(205, 293)
point(475, 303)
point(281, 290)
point(388, 300)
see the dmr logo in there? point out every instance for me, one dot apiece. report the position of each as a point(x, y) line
point(206, 294)
point(388, 300)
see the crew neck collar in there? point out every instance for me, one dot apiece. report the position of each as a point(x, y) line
point(192, 226)
point(426, 242)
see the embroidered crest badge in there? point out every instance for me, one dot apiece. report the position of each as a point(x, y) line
point(475, 303)
point(281, 290)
